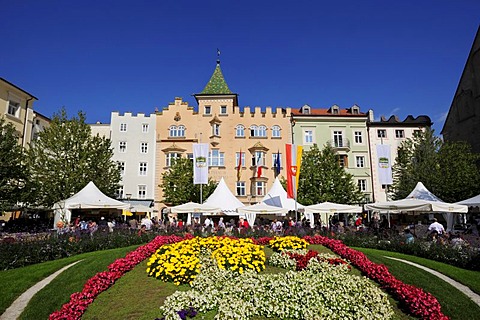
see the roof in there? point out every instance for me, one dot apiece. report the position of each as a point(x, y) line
point(217, 83)
point(277, 196)
point(421, 120)
point(329, 113)
point(222, 197)
point(18, 88)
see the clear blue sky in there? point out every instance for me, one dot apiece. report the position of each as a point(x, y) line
point(395, 57)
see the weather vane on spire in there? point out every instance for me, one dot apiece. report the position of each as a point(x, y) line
point(218, 56)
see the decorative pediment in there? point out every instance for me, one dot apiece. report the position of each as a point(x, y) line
point(215, 120)
point(258, 147)
point(174, 148)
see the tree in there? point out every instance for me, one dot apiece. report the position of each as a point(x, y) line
point(66, 157)
point(12, 168)
point(177, 184)
point(323, 179)
point(447, 169)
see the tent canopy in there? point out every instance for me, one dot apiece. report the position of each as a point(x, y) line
point(250, 212)
point(421, 192)
point(471, 202)
point(223, 198)
point(416, 205)
point(277, 196)
point(194, 207)
point(330, 207)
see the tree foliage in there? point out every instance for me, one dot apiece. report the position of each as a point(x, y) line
point(323, 179)
point(12, 167)
point(66, 157)
point(178, 187)
point(447, 169)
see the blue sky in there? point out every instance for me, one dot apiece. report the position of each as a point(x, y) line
point(395, 57)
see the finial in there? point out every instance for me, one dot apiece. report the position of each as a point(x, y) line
point(218, 56)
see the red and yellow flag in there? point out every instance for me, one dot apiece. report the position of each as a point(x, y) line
point(294, 162)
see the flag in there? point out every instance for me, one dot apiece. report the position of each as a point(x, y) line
point(239, 166)
point(259, 165)
point(276, 165)
point(200, 165)
point(294, 162)
point(218, 52)
point(384, 164)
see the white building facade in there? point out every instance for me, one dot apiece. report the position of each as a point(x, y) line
point(392, 133)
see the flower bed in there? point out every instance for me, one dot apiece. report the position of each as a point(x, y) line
point(416, 301)
point(79, 301)
point(287, 243)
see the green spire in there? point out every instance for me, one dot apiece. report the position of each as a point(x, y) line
point(217, 83)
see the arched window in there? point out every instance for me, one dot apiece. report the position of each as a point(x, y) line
point(262, 131)
point(239, 131)
point(181, 131)
point(253, 130)
point(173, 131)
point(276, 132)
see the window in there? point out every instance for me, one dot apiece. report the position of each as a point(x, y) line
point(343, 160)
point(171, 158)
point(362, 185)
point(208, 110)
point(260, 131)
point(119, 193)
point(308, 135)
point(306, 109)
point(260, 188)
point(360, 161)
point(275, 132)
point(142, 191)
point(274, 159)
point(144, 147)
point(258, 158)
point(143, 169)
point(399, 134)
point(122, 145)
point(237, 155)
point(216, 158)
point(190, 156)
point(13, 108)
point(144, 127)
point(241, 189)
point(216, 129)
point(240, 131)
point(416, 132)
point(177, 131)
point(338, 139)
point(223, 109)
point(381, 133)
point(123, 127)
point(121, 167)
point(335, 110)
point(358, 137)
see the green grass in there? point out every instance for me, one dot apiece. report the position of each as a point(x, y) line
point(58, 292)
point(454, 303)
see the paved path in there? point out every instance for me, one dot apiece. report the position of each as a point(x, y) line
point(466, 290)
point(17, 307)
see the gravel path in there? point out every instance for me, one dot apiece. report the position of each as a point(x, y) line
point(466, 290)
point(17, 307)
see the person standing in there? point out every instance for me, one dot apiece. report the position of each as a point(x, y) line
point(435, 226)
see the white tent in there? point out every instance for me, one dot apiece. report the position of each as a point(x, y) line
point(190, 207)
point(277, 196)
point(250, 212)
point(421, 200)
point(471, 202)
point(90, 197)
point(222, 197)
point(328, 209)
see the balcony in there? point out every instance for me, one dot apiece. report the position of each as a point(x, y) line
point(340, 144)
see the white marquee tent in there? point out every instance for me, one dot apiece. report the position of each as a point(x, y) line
point(90, 197)
point(190, 207)
point(420, 200)
point(222, 197)
point(327, 209)
point(250, 212)
point(471, 202)
point(277, 196)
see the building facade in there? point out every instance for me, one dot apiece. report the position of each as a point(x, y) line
point(345, 130)
point(16, 106)
point(250, 135)
point(463, 119)
point(391, 132)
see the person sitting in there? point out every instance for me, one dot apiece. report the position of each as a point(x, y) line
point(142, 230)
point(408, 236)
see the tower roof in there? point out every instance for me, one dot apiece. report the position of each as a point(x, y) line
point(217, 83)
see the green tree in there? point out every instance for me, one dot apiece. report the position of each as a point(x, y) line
point(66, 157)
point(323, 179)
point(178, 187)
point(12, 168)
point(447, 169)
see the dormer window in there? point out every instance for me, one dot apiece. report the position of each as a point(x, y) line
point(355, 110)
point(306, 109)
point(335, 109)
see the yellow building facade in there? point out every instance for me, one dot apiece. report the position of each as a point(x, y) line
point(257, 134)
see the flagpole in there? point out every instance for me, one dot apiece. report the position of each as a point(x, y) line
point(201, 184)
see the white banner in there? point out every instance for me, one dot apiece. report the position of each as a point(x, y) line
point(384, 164)
point(200, 163)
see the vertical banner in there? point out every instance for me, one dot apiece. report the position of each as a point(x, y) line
point(384, 164)
point(200, 164)
point(239, 166)
point(294, 162)
point(259, 165)
point(277, 164)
